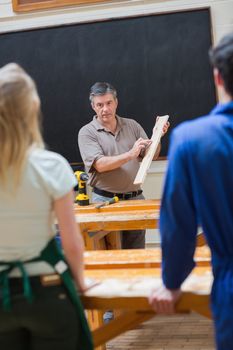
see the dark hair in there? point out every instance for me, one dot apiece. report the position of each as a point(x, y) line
point(221, 58)
point(101, 88)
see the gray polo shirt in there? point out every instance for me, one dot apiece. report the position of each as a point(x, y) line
point(95, 142)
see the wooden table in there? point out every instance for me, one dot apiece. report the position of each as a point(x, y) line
point(128, 290)
point(124, 215)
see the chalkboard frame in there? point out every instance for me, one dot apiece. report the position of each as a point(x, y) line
point(207, 8)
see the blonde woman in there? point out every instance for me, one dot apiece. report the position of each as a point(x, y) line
point(35, 184)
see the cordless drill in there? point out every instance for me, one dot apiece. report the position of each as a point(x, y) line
point(82, 197)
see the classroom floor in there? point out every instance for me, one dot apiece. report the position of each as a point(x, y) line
point(178, 332)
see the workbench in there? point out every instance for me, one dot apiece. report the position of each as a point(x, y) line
point(124, 215)
point(128, 290)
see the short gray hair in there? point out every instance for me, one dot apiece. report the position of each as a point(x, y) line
point(102, 88)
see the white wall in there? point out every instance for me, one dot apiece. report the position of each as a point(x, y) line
point(222, 13)
point(222, 20)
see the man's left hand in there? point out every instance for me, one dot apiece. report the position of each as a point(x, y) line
point(166, 126)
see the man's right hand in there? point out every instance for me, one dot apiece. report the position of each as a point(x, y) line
point(163, 300)
point(113, 162)
point(140, 145)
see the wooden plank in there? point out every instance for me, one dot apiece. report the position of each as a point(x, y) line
point(131, 282)
point(136, 258)
point(146, 162)
point(32, 5)
point(124, 322)
point(141, 204)
point(113, 240)
point(119, 222)
point(95, 320)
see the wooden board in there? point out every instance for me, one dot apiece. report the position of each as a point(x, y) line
point(127, 283)
point(146, 162)
point(130, 205)
point(135, 258)
point(32, 5)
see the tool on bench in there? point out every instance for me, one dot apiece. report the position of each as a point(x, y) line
point(115, 199)
point(82, 197)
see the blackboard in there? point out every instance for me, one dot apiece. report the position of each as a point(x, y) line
point(158, 63)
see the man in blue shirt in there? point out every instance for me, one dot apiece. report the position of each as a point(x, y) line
point(199, 190)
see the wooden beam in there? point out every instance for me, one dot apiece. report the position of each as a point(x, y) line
point(33, 5)
point(141, 204)
point(124, 322)
point(136, 258)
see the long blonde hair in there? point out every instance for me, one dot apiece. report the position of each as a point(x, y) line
point(19, 124)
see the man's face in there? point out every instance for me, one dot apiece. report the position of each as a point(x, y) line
point(105, 108)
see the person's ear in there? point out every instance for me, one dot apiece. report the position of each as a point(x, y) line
point(218, 78)
point(116, 102)
point(93, 106)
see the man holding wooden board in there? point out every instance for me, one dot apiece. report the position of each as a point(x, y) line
point(112, 148)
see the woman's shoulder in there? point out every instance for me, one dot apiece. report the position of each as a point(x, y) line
point(52, 169)
point(44, 157)
point(48, 162)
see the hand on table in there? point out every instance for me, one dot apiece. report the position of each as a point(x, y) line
point(163, 300)
point(90, 283)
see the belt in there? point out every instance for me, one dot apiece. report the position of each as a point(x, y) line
point(124, 196)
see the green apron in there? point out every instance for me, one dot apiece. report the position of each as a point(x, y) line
point(52, 254)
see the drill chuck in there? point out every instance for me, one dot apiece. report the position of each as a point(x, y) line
point(83, 177)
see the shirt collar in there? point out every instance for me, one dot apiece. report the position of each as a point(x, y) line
point(97, 124)
point(226, 108)
point(100, 127)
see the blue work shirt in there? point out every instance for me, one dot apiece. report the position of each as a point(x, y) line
point(198, 191)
